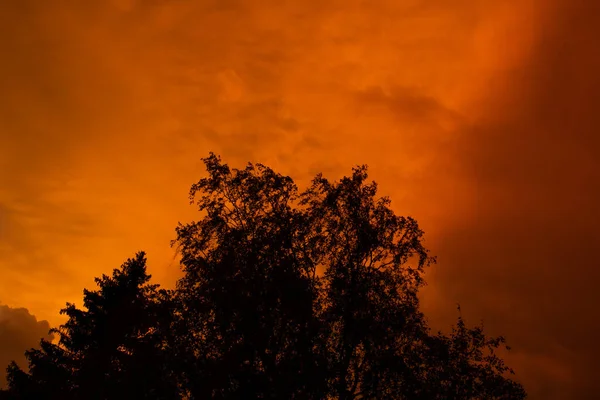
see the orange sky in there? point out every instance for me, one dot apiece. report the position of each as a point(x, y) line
point(477, 117)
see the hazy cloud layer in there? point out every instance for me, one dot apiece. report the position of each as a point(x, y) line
point(477, 117)
point(527, 250)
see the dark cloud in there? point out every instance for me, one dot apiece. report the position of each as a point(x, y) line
point(19, 331)
point(526, 254)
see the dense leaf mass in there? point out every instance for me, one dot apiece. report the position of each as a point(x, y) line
point(284, 295)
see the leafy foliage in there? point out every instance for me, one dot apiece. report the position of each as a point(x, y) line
point(284, 295)
point(314, 295)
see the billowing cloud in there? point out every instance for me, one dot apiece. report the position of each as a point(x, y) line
point(19, 331)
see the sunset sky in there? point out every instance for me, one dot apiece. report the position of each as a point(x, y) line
point(480, 118)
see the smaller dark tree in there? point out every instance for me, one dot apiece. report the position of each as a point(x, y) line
point(114, 348)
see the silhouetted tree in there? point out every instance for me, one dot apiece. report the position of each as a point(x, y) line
point(464, 365)
point(314, 295)
point(112, 349)
point(285, 295)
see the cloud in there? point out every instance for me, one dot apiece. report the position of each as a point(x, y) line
point(526, 246)
point(19, 331)
point(108, 106)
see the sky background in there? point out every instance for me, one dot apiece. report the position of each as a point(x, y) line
point(477, 117)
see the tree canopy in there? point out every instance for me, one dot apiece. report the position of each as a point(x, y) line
point(284, 295)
